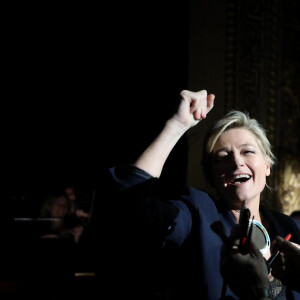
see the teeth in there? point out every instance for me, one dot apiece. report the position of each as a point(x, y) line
point(237, 179)
point(241, 176)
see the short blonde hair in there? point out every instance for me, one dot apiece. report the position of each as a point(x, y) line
point(236, 119)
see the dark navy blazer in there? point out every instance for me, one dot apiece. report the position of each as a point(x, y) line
point(188, 228)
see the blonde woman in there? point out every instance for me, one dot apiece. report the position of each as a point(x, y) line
point(237, 161)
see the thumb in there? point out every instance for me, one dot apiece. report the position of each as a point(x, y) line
point(210, 102)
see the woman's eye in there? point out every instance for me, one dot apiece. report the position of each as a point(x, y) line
point(221, 156)
point(249, 152)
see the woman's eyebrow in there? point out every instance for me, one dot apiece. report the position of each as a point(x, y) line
point(246, 145)
point(239, 147)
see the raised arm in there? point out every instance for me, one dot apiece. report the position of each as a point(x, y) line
point(193, 107)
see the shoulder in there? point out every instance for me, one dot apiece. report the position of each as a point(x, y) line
point(285, 224)
point(284, 217)
point(297, 222)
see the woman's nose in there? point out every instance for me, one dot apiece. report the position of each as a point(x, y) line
point(237, 161)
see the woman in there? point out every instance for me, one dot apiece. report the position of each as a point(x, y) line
point(62, 223)
point(237, 161)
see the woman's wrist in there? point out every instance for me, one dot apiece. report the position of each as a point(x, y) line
point(174, 125)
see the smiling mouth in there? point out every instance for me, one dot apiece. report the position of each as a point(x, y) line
point(238, 179)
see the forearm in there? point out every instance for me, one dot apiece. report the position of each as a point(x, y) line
point(154, 157)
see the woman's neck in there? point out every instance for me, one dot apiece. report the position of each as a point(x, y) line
point(254, 210)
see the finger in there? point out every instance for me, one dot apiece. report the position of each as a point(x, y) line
point(203, 106)
point(197, 113)
point(276, 243)
point(210, 102)
point(196, 98)
point(194, 104)
point(296, 245)
point(198, 105)
point(207, 105)
point(191, 97)
point(203, 103)
point(278, 267)
point(286, 246)
point(200, 112)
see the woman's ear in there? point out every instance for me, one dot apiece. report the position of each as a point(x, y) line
point(268, 169)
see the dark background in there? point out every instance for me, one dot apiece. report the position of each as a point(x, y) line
point(85, 87)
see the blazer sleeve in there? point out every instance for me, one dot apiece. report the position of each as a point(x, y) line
point(137, 206)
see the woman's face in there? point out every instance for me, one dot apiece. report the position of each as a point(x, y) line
point(59, 207)
point(239, 168)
